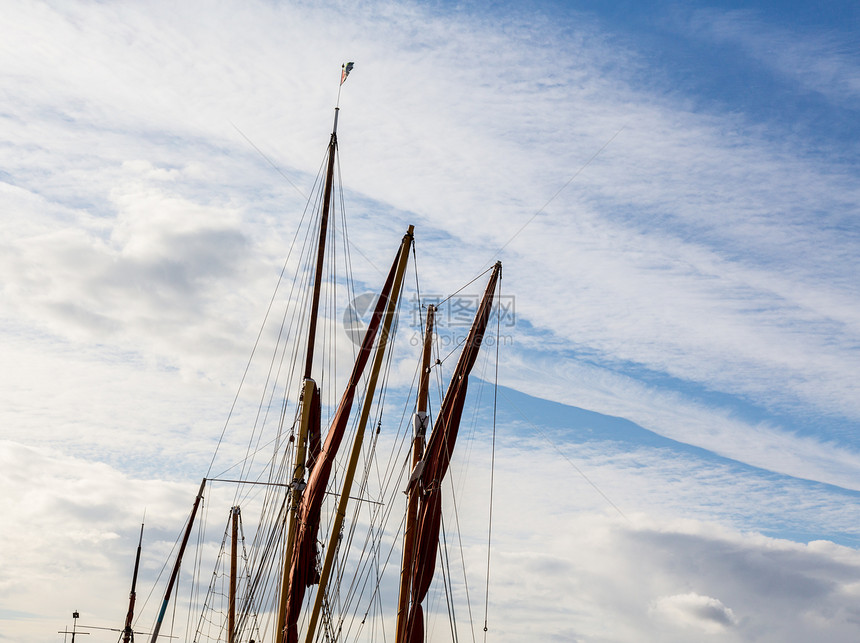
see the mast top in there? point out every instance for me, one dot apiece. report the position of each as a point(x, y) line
point(344, 73)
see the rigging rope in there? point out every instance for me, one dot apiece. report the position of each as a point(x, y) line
point(259, 334)
point(447, 580)
point(493, 457)
point(564, 455)
point(466, 285)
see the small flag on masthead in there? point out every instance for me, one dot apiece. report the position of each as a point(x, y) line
point(347, 67)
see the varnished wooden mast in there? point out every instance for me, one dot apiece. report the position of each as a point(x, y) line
point(308, 384)
point(234, 547)
point(420, 431)
point(326, 205)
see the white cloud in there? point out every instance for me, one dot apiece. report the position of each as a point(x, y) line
point(68, 529)
point(599, 579)
point(670, 414)
point(701, 612)
point(665, 289)
point(141, 237)
point(558, 573)
point(818, 62)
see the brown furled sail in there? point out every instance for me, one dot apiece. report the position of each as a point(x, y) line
point(434, 465)
point(303, 562)
point(351, 463)
point(314, 439)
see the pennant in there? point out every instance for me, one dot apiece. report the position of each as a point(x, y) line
point(345, 72)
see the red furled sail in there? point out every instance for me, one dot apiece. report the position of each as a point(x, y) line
point(303, 564)
point(314, 438)
point(434, 466)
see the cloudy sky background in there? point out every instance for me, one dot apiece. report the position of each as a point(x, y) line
point(679, 453)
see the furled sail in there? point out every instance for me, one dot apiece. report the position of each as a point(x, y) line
point(428, 476)
point(303, 563)
point(314, 438)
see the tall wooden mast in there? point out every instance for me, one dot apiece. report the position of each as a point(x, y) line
point(231, 600)
point(326, 205)
point(309, 388)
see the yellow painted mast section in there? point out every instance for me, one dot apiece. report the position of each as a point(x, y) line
point(420, 425)
point(403, 258)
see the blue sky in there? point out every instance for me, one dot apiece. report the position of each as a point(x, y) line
point(687, 335)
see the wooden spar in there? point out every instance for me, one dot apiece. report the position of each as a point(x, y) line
point(126, 631)
point(176, 566)
point(349, 476)
point(326, 205)
point(420, 425)
point(308, 385)
point(231, 601)
point(424, 379)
